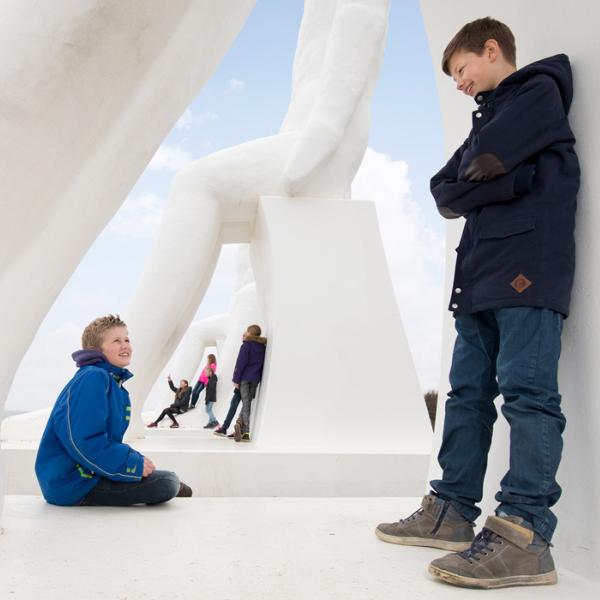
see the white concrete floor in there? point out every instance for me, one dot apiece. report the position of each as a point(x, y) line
point(226, 548)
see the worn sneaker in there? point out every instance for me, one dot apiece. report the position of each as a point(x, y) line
point(506, 553)
point(152, 425)
point(220, 432)
point(244, 438)
point(208, 426)
point(237, 435)
point(231, 436)
point(185, 491)
point(436, 524)
point(174, 426)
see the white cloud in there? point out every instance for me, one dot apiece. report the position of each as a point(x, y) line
point(139, 217)
point(415, 255)
point(235, 86)
point(190, 118)
point(45, 368)
point(170, 158)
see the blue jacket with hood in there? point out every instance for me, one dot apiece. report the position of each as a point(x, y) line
point(515, 180)
point(83, 439)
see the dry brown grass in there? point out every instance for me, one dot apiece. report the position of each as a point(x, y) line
point(431, 397)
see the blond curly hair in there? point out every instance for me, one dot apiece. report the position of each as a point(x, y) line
point(92, 336)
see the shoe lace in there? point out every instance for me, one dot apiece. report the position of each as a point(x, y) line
point(481, 545)
point(412, 517)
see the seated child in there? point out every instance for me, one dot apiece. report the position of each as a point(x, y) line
point(179, 406)
point(82, 459)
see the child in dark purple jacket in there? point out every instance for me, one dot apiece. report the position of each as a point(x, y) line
point(247, 375)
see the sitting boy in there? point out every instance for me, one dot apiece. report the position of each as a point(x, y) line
point(515, 180)
point(247, 375)
point(82, 459)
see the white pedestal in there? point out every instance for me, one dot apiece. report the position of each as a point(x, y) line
point(338, 376)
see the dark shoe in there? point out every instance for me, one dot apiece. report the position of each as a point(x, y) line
point(209, 425)
point(152, 425)
point(185, 491)
point(506, 553)
point(231, 436)
point(436, 524)
point(174, 426)
point(237, 435)
point(220, 432)
point(245, 438)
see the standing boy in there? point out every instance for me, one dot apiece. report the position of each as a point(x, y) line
point(247, 375)
point(515, 181)
point(82, 459)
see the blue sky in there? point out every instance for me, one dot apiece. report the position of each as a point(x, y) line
point(245, 99)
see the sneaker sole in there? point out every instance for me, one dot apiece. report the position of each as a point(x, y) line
point(488, 584)
point(220, 434)
point(426, 542)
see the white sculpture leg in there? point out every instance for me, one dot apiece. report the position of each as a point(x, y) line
point(79, 120)
point(578, 529)
point(78, 134)
point(324, 137)
point(187, 361)
point(245, 310)
point(222, 331)
point(213, 198)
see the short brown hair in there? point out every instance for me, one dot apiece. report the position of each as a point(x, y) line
point(91, 338)
point(254, 330)
point(473, 36)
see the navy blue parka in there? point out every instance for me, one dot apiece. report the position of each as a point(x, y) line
point(515, 180)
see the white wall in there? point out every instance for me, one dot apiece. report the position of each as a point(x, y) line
point(543, 28)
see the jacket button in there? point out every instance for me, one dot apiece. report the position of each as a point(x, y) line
point(479, 98)
point(457, 290)
point(478, 115)
point(454, 306)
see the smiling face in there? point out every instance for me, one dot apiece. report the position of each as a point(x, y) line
point(474, 73)
point(116, 346)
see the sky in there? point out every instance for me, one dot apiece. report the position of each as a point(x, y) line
point(245, 99)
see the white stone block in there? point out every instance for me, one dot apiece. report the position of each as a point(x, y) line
point(339, 374)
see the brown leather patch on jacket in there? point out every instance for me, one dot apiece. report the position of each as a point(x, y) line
point(520, 283)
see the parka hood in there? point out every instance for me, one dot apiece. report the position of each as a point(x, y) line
point(255, 338)
point(85, 358)
point(558, 67)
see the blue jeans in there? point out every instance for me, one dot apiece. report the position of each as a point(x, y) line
point(235, 401)
point(210, 413)
point(514, 352)
point(158, 487)
point(196, 392)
